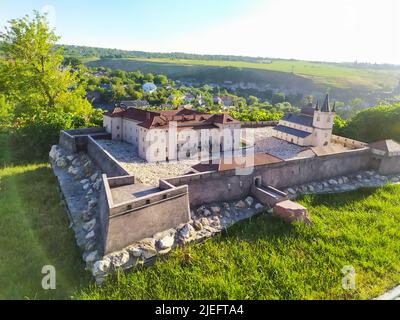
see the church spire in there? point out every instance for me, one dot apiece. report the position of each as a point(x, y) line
point(325, 106)
point(317, 106)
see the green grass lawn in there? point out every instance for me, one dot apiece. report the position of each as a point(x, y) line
point(269, 259)
point(327, 74)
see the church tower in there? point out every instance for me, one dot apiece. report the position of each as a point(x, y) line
point(323, 123)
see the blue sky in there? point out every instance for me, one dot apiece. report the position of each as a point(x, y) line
point(329, 30)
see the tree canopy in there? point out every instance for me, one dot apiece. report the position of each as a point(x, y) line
point(33, 75)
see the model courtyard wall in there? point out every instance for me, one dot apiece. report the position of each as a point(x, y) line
point(226, 185)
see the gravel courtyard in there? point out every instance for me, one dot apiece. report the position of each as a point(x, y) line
point(144, 172)
point(265, 142)
point(150, 173)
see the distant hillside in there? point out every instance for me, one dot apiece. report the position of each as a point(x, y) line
point(90, 52)
point(346, 81)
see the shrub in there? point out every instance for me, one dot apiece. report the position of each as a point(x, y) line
point(376, 123)
point(32, 138)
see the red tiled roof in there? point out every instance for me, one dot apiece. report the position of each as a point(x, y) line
point(183, 117)
point(116, 112)
point(248, 161)
point(224, 118)
point(229, 163)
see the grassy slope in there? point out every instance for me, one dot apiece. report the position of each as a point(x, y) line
point(34, 232)
point(321, 73)
point(268, 259)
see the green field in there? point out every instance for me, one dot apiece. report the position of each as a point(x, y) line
point(264, 258)
point(325, 74)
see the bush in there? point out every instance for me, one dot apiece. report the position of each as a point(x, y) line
point(373, 124)
point(339, 125)
point(32, 138)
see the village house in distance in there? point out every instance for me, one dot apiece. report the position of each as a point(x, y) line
point(312, 127)
point(173, 134)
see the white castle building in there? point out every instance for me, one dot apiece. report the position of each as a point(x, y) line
point(312, 127)
point(173, 134)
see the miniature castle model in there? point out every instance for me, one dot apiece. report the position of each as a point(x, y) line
point(172, 134)
point(127, 210)
point(312, 127)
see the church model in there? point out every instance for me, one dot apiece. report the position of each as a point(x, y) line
point(312, 127)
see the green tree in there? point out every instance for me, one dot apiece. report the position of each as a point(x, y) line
point(252, 100)
point(149, 77)
point(72, 62)
point(133, 93)
point(6, 112)
point(161, 79)
point(278, 98)
point(118, 92)
point(33, 75)
point(339, 125)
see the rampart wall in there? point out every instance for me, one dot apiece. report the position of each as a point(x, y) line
point(226, 185)
point(136, 219)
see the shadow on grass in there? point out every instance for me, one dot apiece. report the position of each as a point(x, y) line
point(34, 232)
point(13, 154)
point(337, 200)
point(260, 227)
point(268, 227)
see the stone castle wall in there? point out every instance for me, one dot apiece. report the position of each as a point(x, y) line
point(104, 160)
point(123, 224)
point(227, 185)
